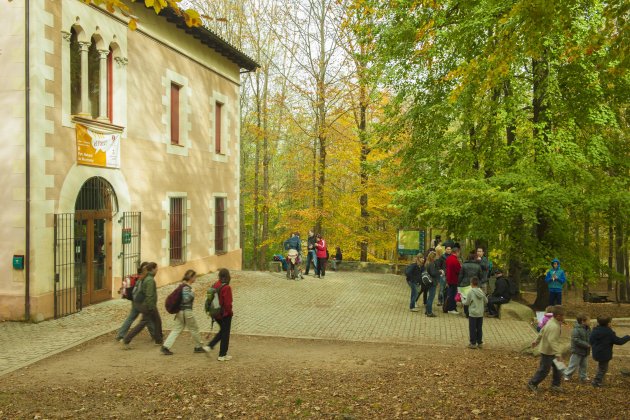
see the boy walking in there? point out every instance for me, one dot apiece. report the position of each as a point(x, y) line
point(602, 340)
point(224, 319)
point(580, 348)
point(548, 341)
point(475, 299)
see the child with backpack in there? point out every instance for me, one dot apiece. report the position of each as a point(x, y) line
point(184, 316)
point(580, 348)
point(602, 340)
point(145, 301)
point(134, 312)
point(223, 317)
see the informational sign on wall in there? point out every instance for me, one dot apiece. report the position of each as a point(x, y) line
point(97, 149)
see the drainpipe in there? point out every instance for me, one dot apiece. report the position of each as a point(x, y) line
point(27, 140)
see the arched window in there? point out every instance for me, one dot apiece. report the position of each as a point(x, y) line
point(75, 73)
point(94, 78)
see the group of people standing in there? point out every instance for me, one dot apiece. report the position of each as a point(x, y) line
point(143, 296)
point(467, 282)
point(316, 252)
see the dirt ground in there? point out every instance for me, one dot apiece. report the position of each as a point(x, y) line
point(293, 378)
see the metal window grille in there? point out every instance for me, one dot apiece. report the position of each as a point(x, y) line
point(67, 290)
point(220, 225)
point(131, 244)
point(177, 230)
point(97, 195)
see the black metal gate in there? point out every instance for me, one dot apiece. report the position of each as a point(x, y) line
point(68, 291)
point(131, 230)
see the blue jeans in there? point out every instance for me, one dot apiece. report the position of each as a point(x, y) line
point(311, 256)
point(414, 294)
point(555, 298)
point(428, 308)
point(124, 328)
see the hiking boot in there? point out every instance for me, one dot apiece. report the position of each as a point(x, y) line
point(532, 387)
point(224, 358)
point(492, 316)
point(199, 350)
point(480, 345)
point(557, 389)
point(431, 315)
point(472, 346)
point(596, 384)
point(166, 352)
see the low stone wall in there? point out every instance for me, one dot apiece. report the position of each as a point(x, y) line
point(357, 266)
point(371, 267)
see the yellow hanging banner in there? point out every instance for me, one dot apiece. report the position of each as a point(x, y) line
point(97, 149)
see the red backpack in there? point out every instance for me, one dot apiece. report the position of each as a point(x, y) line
point(173, 301)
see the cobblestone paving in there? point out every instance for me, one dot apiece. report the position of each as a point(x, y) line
point(343, 306)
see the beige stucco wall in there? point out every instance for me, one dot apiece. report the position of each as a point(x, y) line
point(151, 170)
point(12, 150)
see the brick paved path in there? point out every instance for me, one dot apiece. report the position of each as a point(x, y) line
point(343, 306)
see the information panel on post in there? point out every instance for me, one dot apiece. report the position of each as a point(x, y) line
point(410, 241)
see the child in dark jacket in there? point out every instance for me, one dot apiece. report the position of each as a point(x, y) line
point(602, 339)
point(580, 348)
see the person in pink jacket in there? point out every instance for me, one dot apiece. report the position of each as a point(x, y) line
point(322, 256)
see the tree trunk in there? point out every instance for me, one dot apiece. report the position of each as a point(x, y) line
point(256, 240)
point(611, 247)
point(619, 260)
point(627, 264)
point(586, 243)
point(262, 255)
point(365, 151)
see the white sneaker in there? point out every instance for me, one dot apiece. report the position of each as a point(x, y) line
point(415, 310)
point(224, 358)
point(207, 349)
point(453, 312)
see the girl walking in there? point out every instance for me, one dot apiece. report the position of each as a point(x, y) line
point(185, 317)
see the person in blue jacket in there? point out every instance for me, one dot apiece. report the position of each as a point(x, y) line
point(555, 280)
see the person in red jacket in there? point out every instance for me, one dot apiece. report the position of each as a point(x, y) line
point(225, 318)
point(322, 256)
point(453, 268)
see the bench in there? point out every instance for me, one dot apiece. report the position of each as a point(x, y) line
point(596, 297)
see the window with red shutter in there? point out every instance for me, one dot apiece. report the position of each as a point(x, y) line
point(177, 230)
point(217, 127)
point(220, 225)
point(175, 113)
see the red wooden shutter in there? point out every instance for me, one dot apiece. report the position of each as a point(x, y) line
point(174, 114)
point(217, 119)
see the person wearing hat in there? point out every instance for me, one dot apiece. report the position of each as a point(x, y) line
point(500, 295)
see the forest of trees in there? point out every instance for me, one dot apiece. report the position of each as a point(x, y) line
point(500, 123)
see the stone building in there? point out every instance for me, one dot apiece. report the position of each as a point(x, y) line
point(119, 146)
